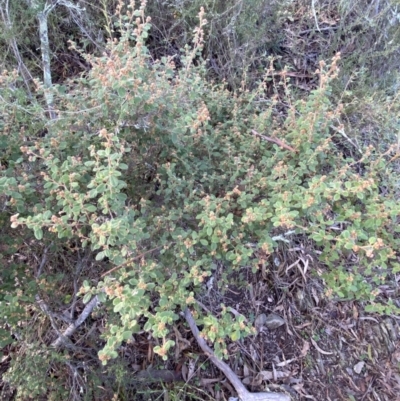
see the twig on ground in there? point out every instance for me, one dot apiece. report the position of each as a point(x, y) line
point(243, 393)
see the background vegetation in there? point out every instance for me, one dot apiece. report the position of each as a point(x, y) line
point(175, 145)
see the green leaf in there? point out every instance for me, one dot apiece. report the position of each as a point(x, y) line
point(348, 245)
point(93, 193)
point(121, 92)
point(87, 298)
point(114, 181)
point(235, 335)
point(38, 232)
point(102, 296)
point(126, 335)
point(119, 307)
point(90, 208)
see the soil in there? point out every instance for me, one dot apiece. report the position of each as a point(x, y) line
point(323, 351)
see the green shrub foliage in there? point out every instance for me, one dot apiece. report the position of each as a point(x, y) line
point(162, 175)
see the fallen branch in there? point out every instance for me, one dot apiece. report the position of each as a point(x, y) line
point(274, 140)
point(73, 326)
point(243, 393)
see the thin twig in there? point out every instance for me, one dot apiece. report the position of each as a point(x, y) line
point(46, 310)
point(43, 262)
point(129, 261)
point(288, 74)
point(315, 14)
point(274, 140)
point(341, 132)
point(78, 269)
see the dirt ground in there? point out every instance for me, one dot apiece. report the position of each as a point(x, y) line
point(322, 350)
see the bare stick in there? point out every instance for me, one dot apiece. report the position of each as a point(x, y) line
point(274, 140)
point(243, 393)
point(42, 14)
point(315, 15)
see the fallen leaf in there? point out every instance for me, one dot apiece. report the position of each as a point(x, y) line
point(246, 371)
point(206, 382)
point(319, 349)
point(315, 296)
point(298, 387)
point(274, 321)
point(284, 363)
point(268, 375)
point(191, 369)
point(306, 348)
point(358, 367)
point(248, 380)
point(185, 371)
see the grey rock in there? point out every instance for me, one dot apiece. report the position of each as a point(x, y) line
point(358, 367)
point(260, 321)
point(274, 321)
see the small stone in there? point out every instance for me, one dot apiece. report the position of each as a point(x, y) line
point(274, 321)
point(260, 321)
point(358, 367)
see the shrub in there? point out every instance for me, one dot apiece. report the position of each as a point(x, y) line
point(162, 174)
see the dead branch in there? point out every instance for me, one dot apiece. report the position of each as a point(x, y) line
point(73, 326)
point(243, 393)
point(274, 140)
